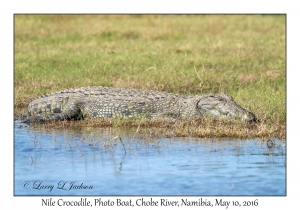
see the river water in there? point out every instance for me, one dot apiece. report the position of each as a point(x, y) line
point(108, 162)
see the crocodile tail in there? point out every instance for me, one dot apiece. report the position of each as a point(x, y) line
point(73, 111)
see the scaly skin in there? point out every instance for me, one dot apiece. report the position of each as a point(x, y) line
point(104, 102)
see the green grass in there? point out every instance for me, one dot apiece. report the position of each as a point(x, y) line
point(242, 55)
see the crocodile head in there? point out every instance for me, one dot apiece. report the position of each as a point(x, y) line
point(223, 106)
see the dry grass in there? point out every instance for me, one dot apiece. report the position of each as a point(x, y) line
point(207, 128)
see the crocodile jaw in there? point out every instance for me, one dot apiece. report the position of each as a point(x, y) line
point(218, 114)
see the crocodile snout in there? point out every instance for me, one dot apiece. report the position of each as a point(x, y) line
point(249, 117)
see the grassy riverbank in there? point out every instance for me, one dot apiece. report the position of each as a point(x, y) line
point(241, 55)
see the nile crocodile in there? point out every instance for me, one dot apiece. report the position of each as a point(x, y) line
point(105, 102)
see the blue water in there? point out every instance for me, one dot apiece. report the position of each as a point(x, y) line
point(93, 162)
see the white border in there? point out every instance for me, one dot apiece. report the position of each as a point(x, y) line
point(9, 8)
